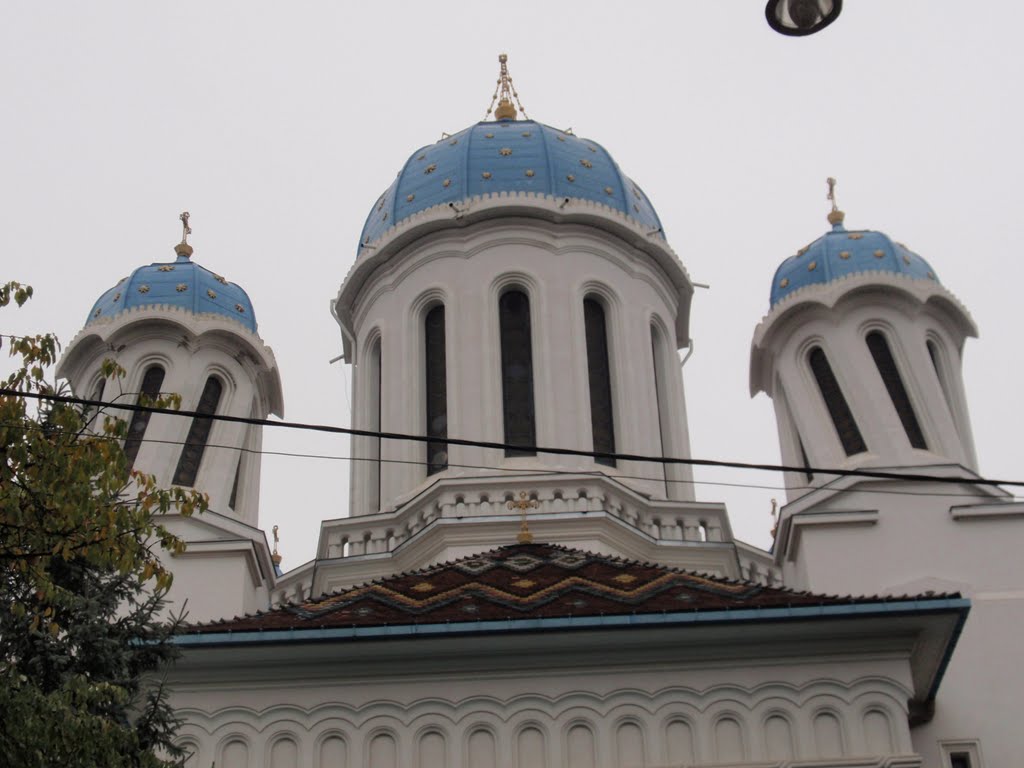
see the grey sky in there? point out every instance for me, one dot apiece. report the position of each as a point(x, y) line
point(278, 125)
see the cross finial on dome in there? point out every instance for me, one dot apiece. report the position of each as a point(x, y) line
point(276, 556)
point(183, 249)
point(835, 216)
point(504, 93)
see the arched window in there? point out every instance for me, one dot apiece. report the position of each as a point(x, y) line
point(233, 500)
point(601, 418)
point(198, 434)
point(517, 372)
point(660, 395)
point(842, 417)
point(436, 391)
point(374, 362)
point(890, 374)
point(940, 373)
point(152, 380)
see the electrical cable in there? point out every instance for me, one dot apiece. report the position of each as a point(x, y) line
point(868, 473)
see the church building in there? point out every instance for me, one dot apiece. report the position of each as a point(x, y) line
point(488, 603)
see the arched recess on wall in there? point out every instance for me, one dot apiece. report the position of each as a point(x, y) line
point(599, 377)
point(889, 372)
point(580, 749)
point(530, 742)
point(198, 433)
point(680, 741)
point(630, 743)
point(481, 748)
point(431, 749)
point(149, 390)
point(778, 736)
point(332, 751)
point(838, 409)
point(517, 387)
point(284, 752)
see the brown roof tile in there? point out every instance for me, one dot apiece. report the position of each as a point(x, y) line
point(525, 581)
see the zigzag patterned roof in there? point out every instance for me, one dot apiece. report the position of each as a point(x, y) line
point(525, 581)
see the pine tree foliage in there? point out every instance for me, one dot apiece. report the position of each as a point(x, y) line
point(83, 632)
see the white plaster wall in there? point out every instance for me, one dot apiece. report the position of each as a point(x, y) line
point(817, 713)
point(557, 266)
point(922, 540)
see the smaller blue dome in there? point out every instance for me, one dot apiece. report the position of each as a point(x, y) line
point(181, 283)
point(843, 252)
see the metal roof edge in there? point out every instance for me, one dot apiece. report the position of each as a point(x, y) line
point(922, 606)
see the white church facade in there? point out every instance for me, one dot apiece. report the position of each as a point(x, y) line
point(488, 604)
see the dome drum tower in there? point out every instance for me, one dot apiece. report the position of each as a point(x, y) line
point(176, 327)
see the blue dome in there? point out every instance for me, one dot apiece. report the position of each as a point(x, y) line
point(842, 252)
point(180, 283)
point(507, 156)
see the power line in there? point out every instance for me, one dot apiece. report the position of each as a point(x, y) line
point(399, 436)
point(534, 472)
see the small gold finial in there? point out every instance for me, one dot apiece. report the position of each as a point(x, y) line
point(504, 93)
point(835, 216)
point(523, 504)
point(183, 248)
point(276, 556)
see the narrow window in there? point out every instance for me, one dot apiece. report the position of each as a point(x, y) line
point(437, 392)
point(806, 463)
point(152, 380)
point(890, 374)
point(375, 363)
point(959, 760)
point(233, 501)
point(198, 434)
point(660, 390)
point(601, 419)
point(940, 374)
point(517, 373)
point(842, 417)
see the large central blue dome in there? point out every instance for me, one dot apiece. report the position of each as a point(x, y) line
point(507, 156)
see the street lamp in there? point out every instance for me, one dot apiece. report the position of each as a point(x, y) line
point(801, 17)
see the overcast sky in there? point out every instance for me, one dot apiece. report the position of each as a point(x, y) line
point(277, 125)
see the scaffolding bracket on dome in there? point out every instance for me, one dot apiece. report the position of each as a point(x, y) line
point(504, 93)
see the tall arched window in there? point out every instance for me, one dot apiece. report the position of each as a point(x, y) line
point(517, 372)
point(374, 362)
point(152, 380)
point(198, 434)
point(436, 391)
point(660, 397)
point(944, 384)
point(601, 417)
point(890, 374)
point(842, 417)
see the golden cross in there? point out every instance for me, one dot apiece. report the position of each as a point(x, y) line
point(523, 504)
point(832, 192)
point(186, 230)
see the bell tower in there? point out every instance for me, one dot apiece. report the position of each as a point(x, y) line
point(177, 327)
